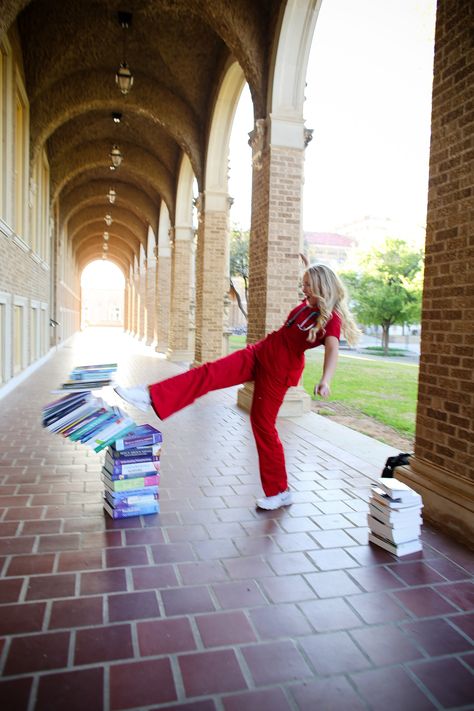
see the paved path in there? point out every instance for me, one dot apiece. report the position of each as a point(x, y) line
point(212, 605)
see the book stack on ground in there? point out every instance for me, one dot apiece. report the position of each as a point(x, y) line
point(394, 517)
point(84, 418)
point(131, 473)
point(90, 377)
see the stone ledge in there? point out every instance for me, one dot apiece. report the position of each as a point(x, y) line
point(448, 499)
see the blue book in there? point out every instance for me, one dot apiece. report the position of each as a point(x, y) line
point(140, 436)
point(131, 511)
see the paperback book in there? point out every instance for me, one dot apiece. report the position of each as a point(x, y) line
point(394, 517)
point(130, 484)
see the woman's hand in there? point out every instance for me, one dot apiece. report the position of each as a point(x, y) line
point(322, 389)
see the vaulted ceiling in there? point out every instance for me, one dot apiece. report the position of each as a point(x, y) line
point(177, 51)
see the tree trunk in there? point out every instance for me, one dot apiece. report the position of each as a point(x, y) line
point(237, 296)
point(385, 337)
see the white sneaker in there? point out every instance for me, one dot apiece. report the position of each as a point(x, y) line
point(138, 396)
point(270, 503)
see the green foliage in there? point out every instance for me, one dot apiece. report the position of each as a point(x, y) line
point(239, 262)
point(388, 291)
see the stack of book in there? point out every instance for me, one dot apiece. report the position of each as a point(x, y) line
point(90, 377)
point(131, 473)
point(394, 517)
point(82, 417)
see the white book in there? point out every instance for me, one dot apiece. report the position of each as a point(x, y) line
point(399, 549)
point(72, 416)
point(384, 499)
point(398, 490)
point(395, 517)
point(396, 534)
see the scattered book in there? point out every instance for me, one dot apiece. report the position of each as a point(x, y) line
point(90, 377)
point(394, 517)
point(131, 469)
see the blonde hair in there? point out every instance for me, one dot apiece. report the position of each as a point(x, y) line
point(331, 293)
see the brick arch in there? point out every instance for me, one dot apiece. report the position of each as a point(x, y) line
point(137, 164)
point(84, 92)
point(96, 256)
point(94, 231)
point(95, 215)
point(121, 267)
point(92, 193)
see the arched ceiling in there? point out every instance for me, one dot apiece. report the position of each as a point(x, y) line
point(177, 51)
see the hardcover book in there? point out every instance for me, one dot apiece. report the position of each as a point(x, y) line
point(130, 484)
point(127, 512)
point(117, 469)
point(141, 436)
point(123, 499)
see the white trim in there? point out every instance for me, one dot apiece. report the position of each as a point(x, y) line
point(21, 301)
point(20, 377)
point(6, 300)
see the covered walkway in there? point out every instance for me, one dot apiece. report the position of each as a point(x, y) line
point(211, 605)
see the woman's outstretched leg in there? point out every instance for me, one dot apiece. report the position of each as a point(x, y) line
point(171, 395)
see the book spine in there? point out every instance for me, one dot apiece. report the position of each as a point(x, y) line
point(139, 467)
point(128, 484)
point(132, 511)
point(112, 436)
point(137, 443)
point(152, 452)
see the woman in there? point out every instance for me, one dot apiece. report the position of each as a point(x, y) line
point(274, 364)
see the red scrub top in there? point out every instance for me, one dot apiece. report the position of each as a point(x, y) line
point(282, 351)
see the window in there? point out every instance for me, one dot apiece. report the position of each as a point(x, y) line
point(5, 336)
point(19, 331)
point(34, 331)
point(20, 159)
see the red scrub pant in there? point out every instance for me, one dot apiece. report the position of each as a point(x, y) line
point(173, 394)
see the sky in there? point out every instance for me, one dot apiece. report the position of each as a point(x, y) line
point(368, 99)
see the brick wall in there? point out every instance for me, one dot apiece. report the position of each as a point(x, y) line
point(445, 428)
point(180, 296)
point(162, 308)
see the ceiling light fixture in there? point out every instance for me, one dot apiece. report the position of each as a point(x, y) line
point(124, 77)
point(117, 116)
point(112, 195)
point(106, 236)
point(116, 156)
point(108, 220)
point(105, 246)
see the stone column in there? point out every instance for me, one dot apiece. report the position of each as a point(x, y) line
point(211, 275)
point(275, 238)
point(442, 468)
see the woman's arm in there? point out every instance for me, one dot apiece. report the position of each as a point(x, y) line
point(331, 351)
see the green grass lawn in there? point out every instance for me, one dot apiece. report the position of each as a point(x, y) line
point(383, 390)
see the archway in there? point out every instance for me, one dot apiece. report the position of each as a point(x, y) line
point(102, 294)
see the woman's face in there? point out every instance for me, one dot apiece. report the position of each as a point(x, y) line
point(311, 298)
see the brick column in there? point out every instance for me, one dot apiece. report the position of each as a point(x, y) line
point(211, 275)
point(180, 335)
point(163, 294)
point(275, 238)
point(150, 300)
point(442, 468)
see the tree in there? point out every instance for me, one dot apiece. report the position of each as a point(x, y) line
point(388, 291)
point(239, 264)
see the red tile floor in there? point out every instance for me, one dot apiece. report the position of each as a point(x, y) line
point(212, 605)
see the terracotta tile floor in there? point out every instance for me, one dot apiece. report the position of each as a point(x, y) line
point(212, 605)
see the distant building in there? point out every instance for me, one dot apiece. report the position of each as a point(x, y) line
point(335, 250)
point(370, 231)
